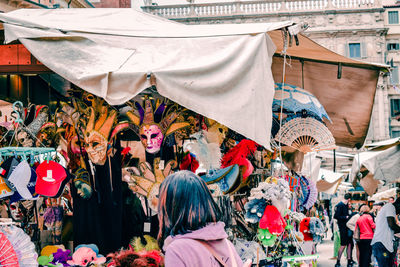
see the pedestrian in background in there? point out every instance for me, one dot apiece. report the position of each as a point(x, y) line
point(351, 224)
point(342, 215)
point(364, 232)
point(386, 227)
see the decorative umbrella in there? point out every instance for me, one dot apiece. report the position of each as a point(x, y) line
point(8, 256)
point(296, 99)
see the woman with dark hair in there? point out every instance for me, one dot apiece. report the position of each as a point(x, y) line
point(190, 231)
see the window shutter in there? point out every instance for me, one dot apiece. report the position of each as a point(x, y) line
point(394, 74)
point(363, 51)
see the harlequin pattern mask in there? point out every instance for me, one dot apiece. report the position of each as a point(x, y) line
point(155, 124)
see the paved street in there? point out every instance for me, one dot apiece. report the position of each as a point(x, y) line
point(325, 251)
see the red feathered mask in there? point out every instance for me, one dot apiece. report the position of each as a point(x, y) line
point(272, 220)
point(238, 155)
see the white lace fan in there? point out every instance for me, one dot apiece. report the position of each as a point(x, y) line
point(306, 135)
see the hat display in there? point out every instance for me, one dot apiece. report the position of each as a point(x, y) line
point(5, 191)
point(24, 189)
point(19, 179)
point(7, 167)
point(51, 178)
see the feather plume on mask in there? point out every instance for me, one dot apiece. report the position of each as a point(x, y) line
point(207, 154)
point(238, 155)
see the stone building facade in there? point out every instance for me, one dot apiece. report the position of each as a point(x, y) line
point(393, 58)
point(355, 28)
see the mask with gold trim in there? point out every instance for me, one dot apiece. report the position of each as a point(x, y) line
point(155, 124)
point(97, 133)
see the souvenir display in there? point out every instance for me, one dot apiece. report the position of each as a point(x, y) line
point(101, 166)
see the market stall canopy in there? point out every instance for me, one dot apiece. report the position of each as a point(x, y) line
point(329, 181)
point(383, 165)
point(384, 195)
point(382, 145)
point(220, 71)
point(345, 87)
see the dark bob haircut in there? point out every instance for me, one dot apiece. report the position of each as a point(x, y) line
point(185, 205)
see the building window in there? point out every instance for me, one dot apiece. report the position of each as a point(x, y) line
point(394, 134)
point(393, 17)
point(394, 75)
point(394, 107)
point(355, 50)
point(393, 46)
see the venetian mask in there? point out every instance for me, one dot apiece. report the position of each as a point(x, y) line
point(97, 133)
point(96, 147)
point(216, 132)
point(24, 138)
point(151, 137)
point(82, 183)
point(155, 124)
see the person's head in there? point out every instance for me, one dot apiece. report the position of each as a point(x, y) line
point(347, 197)
point(391, 200)
point(364, 209)
point(185, 205)
point(377, 206)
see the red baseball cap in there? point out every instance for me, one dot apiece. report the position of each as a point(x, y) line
point(51, 178)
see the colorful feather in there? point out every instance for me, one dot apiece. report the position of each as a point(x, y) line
point(238, 155)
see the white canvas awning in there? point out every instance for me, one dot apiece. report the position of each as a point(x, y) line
point(329, 181)
point(383, 165)
point(219, 71)
point(384, 195)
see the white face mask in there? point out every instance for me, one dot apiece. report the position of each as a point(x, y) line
point(96, 147)
point(151, 137)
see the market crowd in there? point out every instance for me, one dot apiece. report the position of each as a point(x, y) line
point(371, 231)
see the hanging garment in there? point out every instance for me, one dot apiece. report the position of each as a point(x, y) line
point(98, 219)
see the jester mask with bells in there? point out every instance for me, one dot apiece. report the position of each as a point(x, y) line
point(152, 134)
point(146, 181)
point(97, 133)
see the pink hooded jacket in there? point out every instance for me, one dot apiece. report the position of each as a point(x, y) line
point(184, 250)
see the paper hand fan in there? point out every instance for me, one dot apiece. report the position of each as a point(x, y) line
point(305, 135)
point(313, 195)
point(8, 256)
point(22, 245)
